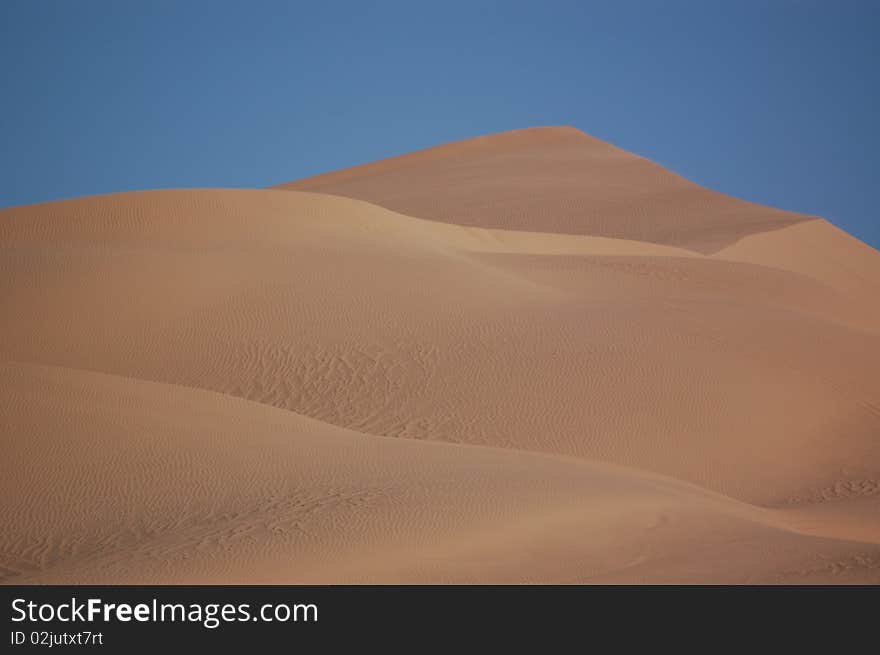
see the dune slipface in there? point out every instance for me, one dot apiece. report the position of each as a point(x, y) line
point(527, 357)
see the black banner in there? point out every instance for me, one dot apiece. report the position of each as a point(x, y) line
point(133, 619)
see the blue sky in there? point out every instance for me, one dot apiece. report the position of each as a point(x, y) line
point(775, 101)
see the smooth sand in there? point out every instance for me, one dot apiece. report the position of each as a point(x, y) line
point(567, 365)
point(554, 180)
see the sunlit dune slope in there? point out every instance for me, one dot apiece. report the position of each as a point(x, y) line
point(551, 179)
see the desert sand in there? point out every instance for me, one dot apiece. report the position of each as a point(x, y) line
point(529, 357)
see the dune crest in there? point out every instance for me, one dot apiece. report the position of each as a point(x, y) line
point(552, 179)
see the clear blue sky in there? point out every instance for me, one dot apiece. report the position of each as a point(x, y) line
point(776, 101)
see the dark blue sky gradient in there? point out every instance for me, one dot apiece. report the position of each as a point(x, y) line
point(775, 101)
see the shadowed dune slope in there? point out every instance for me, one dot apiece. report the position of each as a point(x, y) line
point(551, 179)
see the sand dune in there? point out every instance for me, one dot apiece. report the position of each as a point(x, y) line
point(552, 179)
point(567, 365)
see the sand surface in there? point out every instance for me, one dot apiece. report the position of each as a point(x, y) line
point(528, 357)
